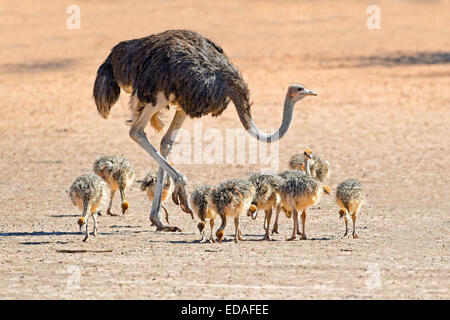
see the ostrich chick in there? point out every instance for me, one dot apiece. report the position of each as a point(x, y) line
point(89, 193)
point(320, 169)
point(267, 196)
point(200, 204)
point(232, 198)
point(301, 191)
point(149, 184)
point(118, 173)
point(350, 197)
point(292, 173)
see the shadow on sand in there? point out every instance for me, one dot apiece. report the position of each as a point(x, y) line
point(38, 66)
point(389, 60)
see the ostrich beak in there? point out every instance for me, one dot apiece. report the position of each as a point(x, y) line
point(310, 92)
point(125, 206)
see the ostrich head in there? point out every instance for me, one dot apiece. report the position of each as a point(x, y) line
point(125, 206)
point(297, 92)
point(342, 213)
point(326, 190)
point(307, 154)
point(81, 223)
point(252, 212)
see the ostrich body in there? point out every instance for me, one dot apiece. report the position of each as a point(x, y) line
point(350, 197)
point(301, 191)
point(89, 192)
point(231, 199)
point(178, 68)
point(200, 204)
point(267, 196)
point(320, 169)
point(118, 173)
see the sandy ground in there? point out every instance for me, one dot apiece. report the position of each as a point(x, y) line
point(382, 115)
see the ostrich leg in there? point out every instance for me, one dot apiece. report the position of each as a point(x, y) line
point(166, 147)
point(137, 133)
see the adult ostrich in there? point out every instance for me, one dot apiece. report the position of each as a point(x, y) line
point(183, 69)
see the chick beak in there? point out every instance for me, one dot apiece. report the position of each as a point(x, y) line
point(125, 206)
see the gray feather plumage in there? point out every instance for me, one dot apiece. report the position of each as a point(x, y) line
point(300, 185)
point(90, 188)
point(199, 200)
point(320, 169)
point(180, 62)
point(115, 168)
point(266, 186)
point(151, 179)
point(349, 190)
point(232, 192)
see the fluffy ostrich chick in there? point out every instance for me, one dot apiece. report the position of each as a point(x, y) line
point(89, 192)
point(118, 173)
point(201, 205)
point(350, 197)
point(231, 199)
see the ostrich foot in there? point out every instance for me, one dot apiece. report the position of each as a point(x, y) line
point(355, 236)
point(211, 240)
point(109, 213)
point(303, 236)
point(275, 229)
point(292, 237)
point(267, 237)
point(180, 198)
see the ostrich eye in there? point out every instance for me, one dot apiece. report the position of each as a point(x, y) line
point(300, 89)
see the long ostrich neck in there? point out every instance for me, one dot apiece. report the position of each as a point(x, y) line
point(239, 96)
point(308, 170)
point(288, 112)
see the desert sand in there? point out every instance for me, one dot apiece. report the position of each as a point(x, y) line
point(382, 116)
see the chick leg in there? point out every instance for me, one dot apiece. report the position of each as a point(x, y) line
point(354, 225)
point(298, 226)
point(275, 224)
point(295, 219)
point(303, 224)
point(111, 197)
point(346, 225)
point(86, 212)
point(86, 237)
point(95, 224)
point(211, 237)
point(268, 216)
point(237, 236)
point(201, 228)
point(220, 232)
